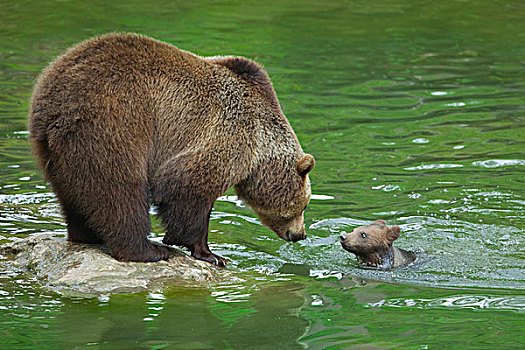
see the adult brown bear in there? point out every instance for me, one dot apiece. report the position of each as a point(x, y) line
point(122, 120)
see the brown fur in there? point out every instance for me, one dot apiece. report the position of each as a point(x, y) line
point(372, 244)
point(122, 120)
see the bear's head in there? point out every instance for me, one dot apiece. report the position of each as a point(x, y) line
point(279, 195)
point(277, 188)
point(369, 242)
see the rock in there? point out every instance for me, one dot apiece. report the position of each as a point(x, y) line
point(88, 270)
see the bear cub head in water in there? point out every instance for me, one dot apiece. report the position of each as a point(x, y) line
point(372, 244)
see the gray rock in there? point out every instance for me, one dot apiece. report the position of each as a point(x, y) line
point(88, 270)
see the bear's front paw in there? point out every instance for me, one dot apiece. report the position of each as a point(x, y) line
point(211, 258)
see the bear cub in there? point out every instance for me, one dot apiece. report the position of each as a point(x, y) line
point(372, 244)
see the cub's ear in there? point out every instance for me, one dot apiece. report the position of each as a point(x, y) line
point(379, 222)
point(393, 233)
point(305, 165)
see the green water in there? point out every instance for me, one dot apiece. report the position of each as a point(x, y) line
point(415, 112)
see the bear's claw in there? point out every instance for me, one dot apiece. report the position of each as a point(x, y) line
point(211, 258)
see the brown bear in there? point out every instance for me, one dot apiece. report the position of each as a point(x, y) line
point(122, 120)
point(372, 244)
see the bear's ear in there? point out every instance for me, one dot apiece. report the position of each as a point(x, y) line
point(305, 165)
point(379, 222)
point(393, 233)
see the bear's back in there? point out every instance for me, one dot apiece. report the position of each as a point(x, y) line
point(129, 92)
point(111, 72)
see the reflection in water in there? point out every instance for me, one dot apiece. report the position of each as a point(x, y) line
point(357, 312)
point(176, 318)
point(185, 318)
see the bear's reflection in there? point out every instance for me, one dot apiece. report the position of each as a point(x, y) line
point(185, 318)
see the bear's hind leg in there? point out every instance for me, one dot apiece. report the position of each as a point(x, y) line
point(129, 240)
point(125, 225)
point(77, 229)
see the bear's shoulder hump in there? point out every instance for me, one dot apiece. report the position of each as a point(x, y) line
point(248, 70)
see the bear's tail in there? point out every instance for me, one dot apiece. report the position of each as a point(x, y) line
point(38, 138)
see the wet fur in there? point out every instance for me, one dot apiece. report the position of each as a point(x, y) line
point(376, 248)
point(121, 121)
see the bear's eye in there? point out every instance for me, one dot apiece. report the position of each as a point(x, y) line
point(363, 234)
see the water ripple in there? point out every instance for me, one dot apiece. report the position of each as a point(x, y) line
point(470, 301)
point(497, 163)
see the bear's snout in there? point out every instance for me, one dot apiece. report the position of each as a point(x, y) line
point(294, 237)
point(348, 242)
